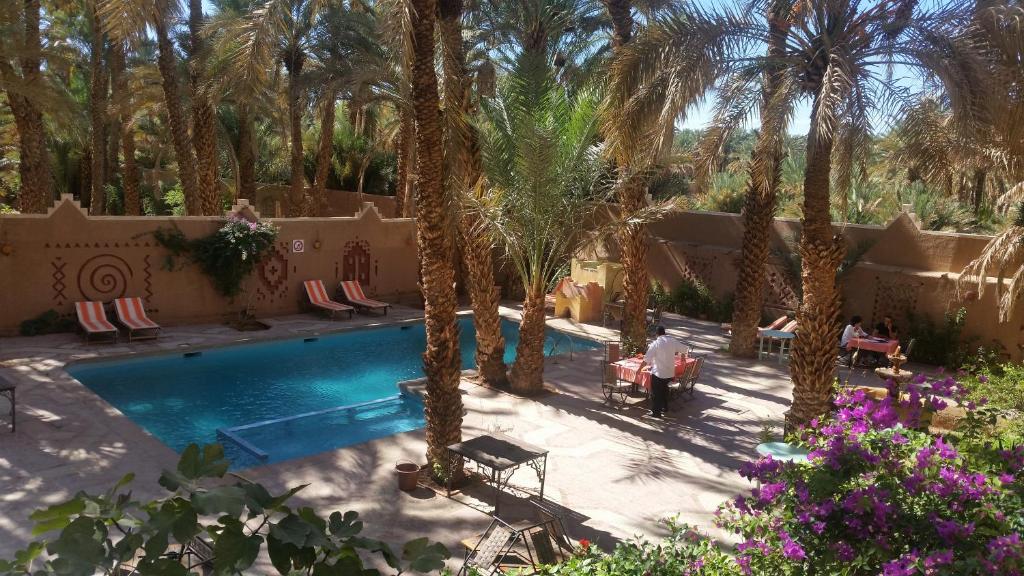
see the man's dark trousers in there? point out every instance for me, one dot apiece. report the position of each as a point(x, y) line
point(659, 395)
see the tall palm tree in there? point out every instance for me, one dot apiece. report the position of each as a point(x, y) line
point(280, 31)
point(128, 19)
point(348, 58)
point(443, 403)
point(462, 164)
point(245, 97)
point(126, 126)
point(542, 168)
point(631, 193)
point(97, 112)
point(765, 172)
point(995, 109)
point(404, 150)
point(395, 28)
point(21, 53)
point(204, 114)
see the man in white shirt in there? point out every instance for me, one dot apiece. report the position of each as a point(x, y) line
point(852, 330)
point(661, 357)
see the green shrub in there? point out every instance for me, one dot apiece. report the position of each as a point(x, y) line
point(999, 385)
point(112, 533)
point(49, 322)
point(694, 299)
point(227, 256)
point(683, 552)
point(939, 344)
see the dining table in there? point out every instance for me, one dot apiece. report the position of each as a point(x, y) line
point(628, 370)
point(882, 345)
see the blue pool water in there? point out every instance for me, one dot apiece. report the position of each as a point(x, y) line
point(182, 400)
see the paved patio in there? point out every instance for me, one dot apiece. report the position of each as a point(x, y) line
point(614, 471)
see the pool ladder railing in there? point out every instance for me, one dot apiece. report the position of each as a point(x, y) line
point(233, 432)
point(556, 340)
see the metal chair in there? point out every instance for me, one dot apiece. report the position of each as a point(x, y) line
point(691, 382)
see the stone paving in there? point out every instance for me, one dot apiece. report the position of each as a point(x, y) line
point(614, 471)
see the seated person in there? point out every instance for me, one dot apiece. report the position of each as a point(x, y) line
point(852, 330)
point(887, 329)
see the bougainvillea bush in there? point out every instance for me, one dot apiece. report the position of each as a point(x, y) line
point(877, 496)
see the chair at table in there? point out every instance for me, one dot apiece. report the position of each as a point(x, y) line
point(611, 386)
point(677, 387)
point(694, 375)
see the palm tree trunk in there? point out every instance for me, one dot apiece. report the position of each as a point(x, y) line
point(36, 194)
point(324, 155)
point(636, 283)
point(204, 115)
point(97, 114)
point(621, 14)
point(297, 204)
point(443, 403)
point(527, 374)
point(463, 165)
point(113, 126)
point(759, 206)
point(246, 153)
point(130, 173)
point(167, 63)
point(979, 189)
point(404, 147)
point(812, 365)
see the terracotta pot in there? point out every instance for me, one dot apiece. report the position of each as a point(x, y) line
point(408, 475)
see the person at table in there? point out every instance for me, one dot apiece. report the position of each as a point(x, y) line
point(852, 330)
point(887, 329)
point(661, 357)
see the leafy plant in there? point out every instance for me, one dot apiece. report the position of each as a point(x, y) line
point(174, 200)
point(111, 533)
point(938, 344)
point(227, 256)
point(49, 322)
point(692, 298)
point(999, 386)
point(683, 552)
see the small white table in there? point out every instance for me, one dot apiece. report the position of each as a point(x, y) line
point(784, 342)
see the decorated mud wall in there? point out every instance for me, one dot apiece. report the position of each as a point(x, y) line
point(48, 262)
point(897, 269)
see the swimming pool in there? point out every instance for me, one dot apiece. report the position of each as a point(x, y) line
point(188, 397)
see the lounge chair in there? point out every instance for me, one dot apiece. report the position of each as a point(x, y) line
point(318, 297)
point(353, 293)
point(93, 319)
point(778, 323)
point(770, 335)
point(132, 314)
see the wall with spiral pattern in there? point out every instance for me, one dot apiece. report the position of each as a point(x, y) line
point(67, 256)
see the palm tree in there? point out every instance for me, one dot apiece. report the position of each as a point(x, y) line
point(280, 31)
point(120, 82)
point(646, 95)
point(204, 114)
point(128, 19)
point(462, 164)
point(22, 79)
point(97, 112)
point(765, 171)
point(443, 403)
point(347, 60)
point(542, 168)
point(631, 193)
